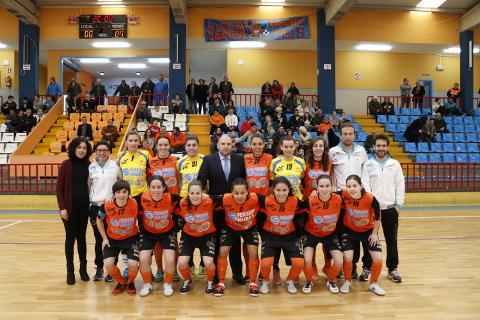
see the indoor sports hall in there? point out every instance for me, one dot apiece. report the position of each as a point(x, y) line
point(135, 132)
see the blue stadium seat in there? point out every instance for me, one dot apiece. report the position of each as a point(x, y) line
point(426, 111)
point(477, 112)
point(459, 128)
point(439, 138)
point(460, 147)
point(435, 157)
point(404, 119)
point(478, 128)
point(356, 126)
point(381, 118)
point(477, 118)
point(437, 147)
point(472, 148)
point(421, 157)
point(415, 112)
point(405, 111)
point(399, 137)
point(401, 127)
point(448, 147)
point(470, 128)
point(410, 147)
point(423, 147)
point(392, 119)
point(241, 109)
point(392, 127)
point(313, 134)
point(461, 157)
point(474, 157)
point(449, 157)
point(349, 117)
point(295, 135)
point(457, 120)
point(468, 120)
point(447, 137)
point(398, 111)
point(361, 136)
point(472, 137)
point(459, 137)
point(448, 120)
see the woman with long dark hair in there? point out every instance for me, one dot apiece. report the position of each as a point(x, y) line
point(73, 203)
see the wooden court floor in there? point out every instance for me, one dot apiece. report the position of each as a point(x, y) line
point(439, 260)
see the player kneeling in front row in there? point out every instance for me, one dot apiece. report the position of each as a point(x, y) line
point(241, 208)
point(157, 227)
point(196, 216)
point(321, 219)
point(361, 222)
point(120, 215)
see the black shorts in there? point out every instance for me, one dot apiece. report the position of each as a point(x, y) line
point(230, 237)
point(168, 240)
point(127, 246)
point(331, 242)
point(205, 243)
point(273, 243)
point(350, 238)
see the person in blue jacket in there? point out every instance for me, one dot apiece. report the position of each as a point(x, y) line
point(54, 89)
point(161, 91)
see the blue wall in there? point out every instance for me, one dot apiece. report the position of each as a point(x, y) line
point(176, 83)
point(28, 80)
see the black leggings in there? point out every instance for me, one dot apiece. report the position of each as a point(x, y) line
point(75, 229)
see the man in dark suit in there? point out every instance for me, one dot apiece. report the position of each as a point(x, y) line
point(220, 169)
point(85, 130)
point(226, 89)
point(192, 94)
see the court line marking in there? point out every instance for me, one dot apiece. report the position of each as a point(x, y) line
point(10, 224)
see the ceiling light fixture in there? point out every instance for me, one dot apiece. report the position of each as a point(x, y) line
point(159, 60)
point(132, 65)
point(138, 73)
point(373, 47)
point(111, 45)
point(101, 73)
point(456, 50)
point(272, 3)
point(430, 3)
point(113, 6)
point(3, 45)
point(94, 60)
point(246, 44)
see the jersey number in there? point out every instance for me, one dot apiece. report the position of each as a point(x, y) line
point(289, 166)
point(194, 163)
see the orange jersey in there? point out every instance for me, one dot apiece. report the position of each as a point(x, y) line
point(322, 217)
point(167, 168)
point(312, 174)
point(241, 217)
point(157, 215)
point(198, 220)
point(121, 221)
point(279, 217)
point(360, 214)
point(258, 173)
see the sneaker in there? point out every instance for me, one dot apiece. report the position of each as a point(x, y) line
point(209, 289)
point(125, 274)
point(158, 277)
point(364, 275)
point(146, 290)
point(345, 288)
point(394, 276)
point(192, 270)
point(201, 272)
point(219, 290)
point(167, 289)
point(264, 287)
point(253, 290)
point(276, 277)
point(291, 287)
point(340, 275)
point(108, 278)
point(375, 288)
point(98, 275)
point(307, 288)
point(186, 286)
point(354, 272)
point(131, 290)
point(176, 276)
point(332, 287)
point(119, 288)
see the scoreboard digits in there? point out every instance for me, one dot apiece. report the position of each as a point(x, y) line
point(103, 26)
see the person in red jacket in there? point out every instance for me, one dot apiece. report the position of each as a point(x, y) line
point(277, 90)
point(177, 140)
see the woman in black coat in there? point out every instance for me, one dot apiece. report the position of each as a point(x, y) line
point(202, 96)
point(413, 133)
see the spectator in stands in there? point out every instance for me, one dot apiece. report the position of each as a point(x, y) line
point(9, 105)
point(450, 108)
point(147, 148)
point(212, 90)
point(40, 115)
point(89, 104)
point(155, 128)
point(343, 119)
point(13, 121)
point(293, 90)
point(26, 104)
point(295, 122)
point(279, 134)
point(99, 92)
point(144, 113)
point(177, 140)
point(161, 91)
point(123, 90)
point(413, 133)
point(156, 113)
point(335, 120)
point(202, 97)
point(74, 88)
point(230, 105)
point(302, 108)
point(429, 131)
point(269, 127)
point(176, 105)
point(149, 137)
point(370, 142)
point(135, 92)
point(303, 136)
point(437, 104)
point(192, 95)
point(289, 101)
point(440, 124)
point(49, 103)
point(214, 139)
point(418, 93)
point(277, 90)
point(217, 121)
point(226, 89)
point(374, 107)
point(231, 119)
point(246, 125)
point(54, 89)
point(73, 103)
point(148, 88)
point(279, 117)
point(454, 92)
point(85, 130)
point(325, 126)
point(232, 133)
point(387, 107)
point(37, 102)
point(249, 134)
point(270, 147)
point(267, 108)
point(28, 121)
point(318, 118)
point(405, 89)
point(110, 133)
point(266, 91)
point(217, 106)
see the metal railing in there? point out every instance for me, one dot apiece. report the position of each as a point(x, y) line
point(29, 178)
point(410, 101)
